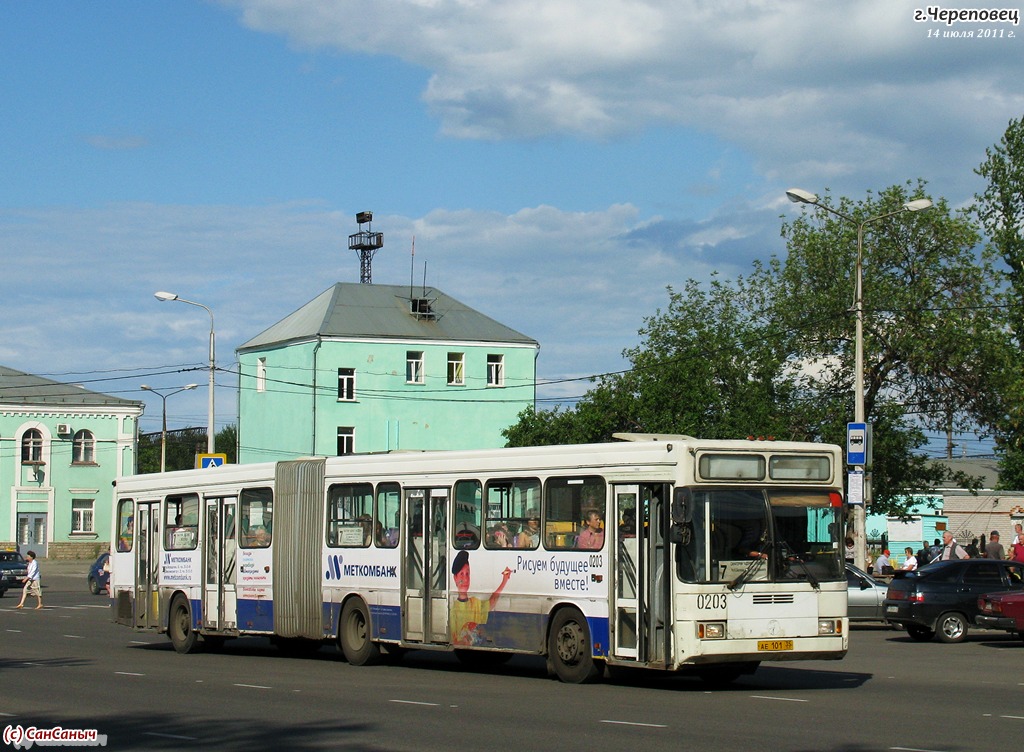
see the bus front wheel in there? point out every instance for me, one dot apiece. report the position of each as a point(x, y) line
point(569, 650)
point(179, 627)
point(354, 635)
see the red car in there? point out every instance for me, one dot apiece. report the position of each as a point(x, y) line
point(1002, 611)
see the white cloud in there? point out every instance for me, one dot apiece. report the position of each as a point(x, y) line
point(818, 91)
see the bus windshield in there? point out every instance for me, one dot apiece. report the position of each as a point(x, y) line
point(742, 535)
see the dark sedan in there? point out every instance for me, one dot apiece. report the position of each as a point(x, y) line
point(99, 574)
point(13, 568)
point(941, 599)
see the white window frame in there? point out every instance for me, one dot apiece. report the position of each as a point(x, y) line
point(346, 385)
point(346, 440)
point(495, 369)
point(83, 448)
point(83, 516)
point(456, 369)
point(414, 367)
point(32, 447)
point(261, 374)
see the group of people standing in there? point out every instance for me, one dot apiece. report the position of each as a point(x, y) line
point(948, 548)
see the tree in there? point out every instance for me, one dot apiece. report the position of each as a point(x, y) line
point(772, 353)
point(182, 447)
point(1000, 209)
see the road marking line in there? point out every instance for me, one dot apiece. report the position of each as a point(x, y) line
point(635, 723)
point(254, 686)
point(75, 636)
point(414, 702)
point(16, 631)
point(782, 699)
point(171, 736)
point(128, 673)
point(914, 749)
point(1013, 717)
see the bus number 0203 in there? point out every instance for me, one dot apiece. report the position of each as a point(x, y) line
point(712, 601)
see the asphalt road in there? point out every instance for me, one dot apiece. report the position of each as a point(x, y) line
point(70, 666)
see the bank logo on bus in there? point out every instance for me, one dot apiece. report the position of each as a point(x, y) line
point(337, 568)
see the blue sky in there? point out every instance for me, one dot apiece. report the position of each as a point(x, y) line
point(559, 163)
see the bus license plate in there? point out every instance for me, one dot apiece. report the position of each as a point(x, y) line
point(773, 645)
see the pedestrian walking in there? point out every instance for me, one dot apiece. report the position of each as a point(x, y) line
point(31, 581)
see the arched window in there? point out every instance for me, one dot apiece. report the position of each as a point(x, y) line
point(32, 446)
point(84, 448)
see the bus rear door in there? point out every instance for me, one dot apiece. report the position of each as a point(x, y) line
point(219, 565)
point(425, 566)
point(147, 571)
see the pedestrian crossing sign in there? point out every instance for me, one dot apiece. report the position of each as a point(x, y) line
point(204, 461)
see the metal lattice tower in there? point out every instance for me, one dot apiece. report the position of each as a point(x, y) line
point(366, 243)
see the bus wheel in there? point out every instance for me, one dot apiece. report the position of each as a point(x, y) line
point(354, 635)
point(179, 627)
point(569, 650)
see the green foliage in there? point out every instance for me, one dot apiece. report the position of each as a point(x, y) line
point(772, 354)
point(182, 447)
point(1000, 209)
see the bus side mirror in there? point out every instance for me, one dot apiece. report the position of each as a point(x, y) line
point(682, 514)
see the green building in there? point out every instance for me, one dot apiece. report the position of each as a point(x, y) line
point(61, 446)
point(373, 368)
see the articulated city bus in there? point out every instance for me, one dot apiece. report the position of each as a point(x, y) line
point(663, 552)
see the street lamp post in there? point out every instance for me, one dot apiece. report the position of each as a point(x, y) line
point(797, 195)
point(210, 430)
point(163, 432)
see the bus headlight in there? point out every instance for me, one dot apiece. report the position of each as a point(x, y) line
point(830, 626)
point(714, 630)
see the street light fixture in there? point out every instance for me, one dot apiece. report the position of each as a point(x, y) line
point(798, 196)
point(163, 432)
point(162, 296)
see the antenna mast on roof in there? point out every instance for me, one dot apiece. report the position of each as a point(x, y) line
point(366, 243)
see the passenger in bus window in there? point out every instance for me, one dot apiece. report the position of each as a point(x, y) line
point(592, 536)
point(499, 537)
point(124, 541)
point(529, 536)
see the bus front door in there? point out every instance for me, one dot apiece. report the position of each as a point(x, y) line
point(639, 601)
point(147, 563)
point(425, 566)
point(219, 565)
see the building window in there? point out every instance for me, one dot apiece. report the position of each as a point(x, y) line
point(414, 367)
point(32, 446)
point(347, 384)
point(346, 440)
point(261, 375)
point(495, 370)
point(456, 369)
point(81, 516)
point(83, 448)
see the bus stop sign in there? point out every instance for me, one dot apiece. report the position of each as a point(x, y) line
point(857, 444)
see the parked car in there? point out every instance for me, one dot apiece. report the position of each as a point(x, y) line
point(1002, 611)
point(941, 599)
point(13, 568)
point(866, 596)
point(99, 576)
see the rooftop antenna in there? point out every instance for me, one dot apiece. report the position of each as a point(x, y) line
point(412, 266)
point(366, 243)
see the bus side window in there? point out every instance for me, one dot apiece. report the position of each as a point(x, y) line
point(256, 517)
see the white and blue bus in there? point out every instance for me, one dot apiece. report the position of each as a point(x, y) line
point(656, 551)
